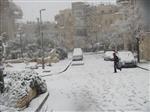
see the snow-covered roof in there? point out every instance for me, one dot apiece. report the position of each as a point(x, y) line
point(77, 52)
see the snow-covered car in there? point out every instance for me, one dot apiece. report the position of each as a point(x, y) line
point(127, 59)
point(77, 54)
point(108, 56)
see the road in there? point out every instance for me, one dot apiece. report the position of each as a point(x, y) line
point(94, 87)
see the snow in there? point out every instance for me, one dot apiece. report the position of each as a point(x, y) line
point(75, 63)
point(77, 52)
point(18, 84)
point(36, 103)
point(126, 56)
point(94, 87)
point(109, 54)
point(54, 69)
point(145, 65)
point(7, 109)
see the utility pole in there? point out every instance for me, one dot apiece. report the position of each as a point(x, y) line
point(138, 50)
point(1, 68)
point(20, 32)
point(41, 34)
point(43, 65)
point(38, 26)
point(21, 44)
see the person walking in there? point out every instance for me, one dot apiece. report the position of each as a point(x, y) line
point(116, 61)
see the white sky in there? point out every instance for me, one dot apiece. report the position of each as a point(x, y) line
point(31, 7)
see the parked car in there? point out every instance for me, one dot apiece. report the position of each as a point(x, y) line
point(127, 59)
point(77, 54)
point(108, 56)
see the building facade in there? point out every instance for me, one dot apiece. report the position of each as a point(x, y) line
point(9, 12)
point(145, 46)
point(79, 12)
point(99, 21)
point(84, 24)
point(65, 28)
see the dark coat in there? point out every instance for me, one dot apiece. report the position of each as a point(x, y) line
point(116, 59)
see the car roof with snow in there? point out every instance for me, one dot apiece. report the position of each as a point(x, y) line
point(77, 51)
point(125, 54)
point(109, 52)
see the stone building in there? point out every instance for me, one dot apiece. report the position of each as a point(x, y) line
point(79, 11)
point(145, 46)
point(65, 27)
point(83, 25)
point(31, 31)
point(92, 21)
point(141, 7)
point(9, 12)
point(99, 20)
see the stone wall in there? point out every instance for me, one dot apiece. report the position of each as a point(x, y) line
point(145, 47)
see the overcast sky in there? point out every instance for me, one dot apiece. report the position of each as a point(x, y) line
point(31, 7)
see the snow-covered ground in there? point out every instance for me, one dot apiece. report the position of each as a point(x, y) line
point(94, 87)
point(54, 69)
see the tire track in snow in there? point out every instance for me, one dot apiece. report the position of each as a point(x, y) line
point(58, 72)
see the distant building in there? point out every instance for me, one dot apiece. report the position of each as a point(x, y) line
point(142, 7)
point(64, 25)
point(79, 11)
point(84, 24)
point(145, 46)
point(99, 20)
point(32, 31)
point(9, 12)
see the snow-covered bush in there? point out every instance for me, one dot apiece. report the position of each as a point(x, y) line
point(19, 84)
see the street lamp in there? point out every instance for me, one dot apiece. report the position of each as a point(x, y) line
point(20, 36)
point(138, 49)
point(137, 34)
point(1, 66)
point(41, 34)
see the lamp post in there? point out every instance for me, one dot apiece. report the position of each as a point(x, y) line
point(20, 36)
point(41, 34)
point(1, 67)
point(138, 49)
point(137, 36)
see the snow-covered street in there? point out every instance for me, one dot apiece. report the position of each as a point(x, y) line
point(94, 87)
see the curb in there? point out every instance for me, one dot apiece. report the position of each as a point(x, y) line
point(37, 103)
point(143, 68)
point(44, 100)
point(65, 69)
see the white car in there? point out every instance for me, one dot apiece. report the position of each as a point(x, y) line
point(108, 56)
point(77, 54)
point(77, 58)
point(127, 59)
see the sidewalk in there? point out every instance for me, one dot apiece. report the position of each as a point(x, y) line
point(144, 65)
point(37, 103)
